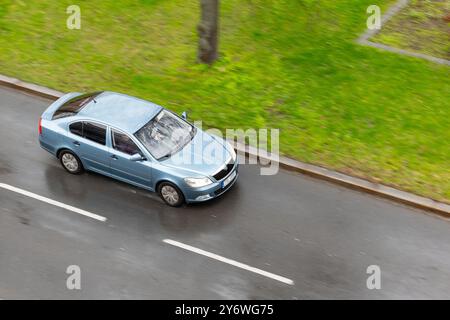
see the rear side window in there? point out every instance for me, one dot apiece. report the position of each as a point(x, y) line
point(123, 143)
point(77, 128)
point(94, 132)
point(74, 105)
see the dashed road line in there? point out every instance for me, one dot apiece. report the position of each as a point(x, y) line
point(168, 241)
point(52, 202)
point(229, 261)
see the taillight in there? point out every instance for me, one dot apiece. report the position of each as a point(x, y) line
point(40, 126)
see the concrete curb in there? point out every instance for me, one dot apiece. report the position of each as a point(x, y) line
point(30, 87)
point(392, 11)
point(381, 190)
point(405, 52)
point(440, 208)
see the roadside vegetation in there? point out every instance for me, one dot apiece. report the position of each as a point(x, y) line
point(286, 64)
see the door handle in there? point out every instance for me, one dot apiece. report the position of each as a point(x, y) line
point(114, 157)
point(76, 143)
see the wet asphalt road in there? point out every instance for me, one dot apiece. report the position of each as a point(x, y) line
point(320, 235)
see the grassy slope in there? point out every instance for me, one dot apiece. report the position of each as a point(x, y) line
point(292, 65)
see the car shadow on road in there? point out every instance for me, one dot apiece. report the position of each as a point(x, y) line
point(193, 219)
point(138, 204)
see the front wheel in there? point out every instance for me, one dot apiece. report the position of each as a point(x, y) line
point(170, 194)
point(71, 162)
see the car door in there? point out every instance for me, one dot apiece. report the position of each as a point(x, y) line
point(89, 143)
point(122, 148)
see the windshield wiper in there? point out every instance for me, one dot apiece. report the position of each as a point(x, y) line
point(168, 155)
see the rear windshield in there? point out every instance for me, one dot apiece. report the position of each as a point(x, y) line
point(74, 105)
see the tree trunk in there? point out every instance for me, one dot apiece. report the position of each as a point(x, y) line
point(207, 31)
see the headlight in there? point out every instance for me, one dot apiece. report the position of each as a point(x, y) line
point(231, 151)
point(197, 182)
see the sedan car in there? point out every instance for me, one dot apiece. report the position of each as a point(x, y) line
point(140, 143)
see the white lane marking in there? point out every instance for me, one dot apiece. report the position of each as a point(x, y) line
point(52, 202)
point(229, 261)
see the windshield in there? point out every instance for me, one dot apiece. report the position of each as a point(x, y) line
point(165, 134)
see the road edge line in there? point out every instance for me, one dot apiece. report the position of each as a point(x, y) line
point(440, 208)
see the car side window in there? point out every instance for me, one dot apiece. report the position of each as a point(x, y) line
point(94, 132)
point(77, 128)
point(123, 143)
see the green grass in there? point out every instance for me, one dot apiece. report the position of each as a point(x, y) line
point(292, 65)
point(420, 27)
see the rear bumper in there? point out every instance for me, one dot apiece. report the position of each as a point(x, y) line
point(47, 147)
point(212, 191)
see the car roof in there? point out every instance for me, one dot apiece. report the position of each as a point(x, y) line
point(120, 111)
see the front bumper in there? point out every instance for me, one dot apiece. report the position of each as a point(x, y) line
point(211, 191)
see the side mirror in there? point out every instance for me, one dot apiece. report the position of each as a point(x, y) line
point(184, 115)
point(136, 157)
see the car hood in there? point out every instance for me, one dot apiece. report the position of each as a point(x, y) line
point(204, 155)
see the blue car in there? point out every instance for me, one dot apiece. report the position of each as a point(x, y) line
point(140, 143)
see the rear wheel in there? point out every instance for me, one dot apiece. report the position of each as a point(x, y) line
point(170, 194)
point(71, 162)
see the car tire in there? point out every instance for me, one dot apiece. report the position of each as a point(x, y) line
point(71, 162)
point(171, 194)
